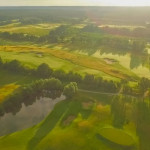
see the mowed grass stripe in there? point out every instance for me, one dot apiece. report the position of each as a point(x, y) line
point(93, 63)
point(77, 59)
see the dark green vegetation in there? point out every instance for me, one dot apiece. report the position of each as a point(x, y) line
point(98, 57)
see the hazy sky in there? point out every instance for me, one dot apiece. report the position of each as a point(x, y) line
point(75, 2)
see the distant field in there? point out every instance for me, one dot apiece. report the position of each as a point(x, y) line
point(37, 29)
point(131, 27)
point(11, 43)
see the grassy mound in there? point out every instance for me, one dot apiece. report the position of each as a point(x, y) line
point(117, 136)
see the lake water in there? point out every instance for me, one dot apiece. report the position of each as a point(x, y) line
point(28, 115)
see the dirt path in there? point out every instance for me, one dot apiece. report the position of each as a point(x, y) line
point(105, 93)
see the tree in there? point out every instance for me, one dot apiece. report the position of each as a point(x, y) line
point(91, 28)
point(60, 74)
point(70, 89)
point(144, 84)
point(138, 46)
point(60, 34)
point(44, 71)
point(13, 66)
point(74, 77)
point(118, 110)
point(89, 79)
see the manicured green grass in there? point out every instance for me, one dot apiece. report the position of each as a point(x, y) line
point(32, 57)
point(80, 133)
point(117, 136)
point(115, 70)
point(72, 60)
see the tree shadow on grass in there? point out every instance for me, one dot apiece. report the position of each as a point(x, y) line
point(48, 124)
point(75, 108)
point(115, 146)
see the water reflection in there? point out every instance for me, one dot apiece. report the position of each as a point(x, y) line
point(139, 63)
point(28, 115)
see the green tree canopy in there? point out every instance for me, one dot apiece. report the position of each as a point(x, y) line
point(44, 71)
point(70, 89)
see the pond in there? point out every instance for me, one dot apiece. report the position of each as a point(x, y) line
point(28, 115)
point(138, 64)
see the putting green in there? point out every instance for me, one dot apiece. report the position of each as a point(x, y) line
point(117, 136)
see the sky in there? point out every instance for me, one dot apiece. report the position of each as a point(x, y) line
point(74, 2)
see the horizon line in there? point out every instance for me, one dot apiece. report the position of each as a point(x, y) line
point(73, 6)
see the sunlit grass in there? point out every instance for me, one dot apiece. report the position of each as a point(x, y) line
point(80, 133)
point(58, 59)
point(37, 29)
point(117, 136)
point(7, 90)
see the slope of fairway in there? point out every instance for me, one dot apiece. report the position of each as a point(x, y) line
point(60, 59)
point(34, 57)
point(117, 136)
point(94, 63)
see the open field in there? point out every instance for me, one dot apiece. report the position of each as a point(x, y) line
point(37, 29)
point(33, 60)
point(60, 59)
point(131, 27)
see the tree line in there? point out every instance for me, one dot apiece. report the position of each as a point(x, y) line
point(91, 38)
point(138, 32)
point(28, 94)
point(88, 81)
point(21, 37)
point(88, 39)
